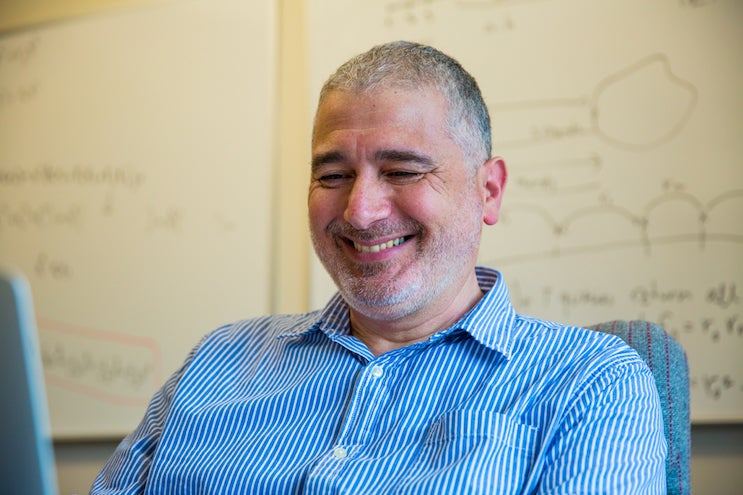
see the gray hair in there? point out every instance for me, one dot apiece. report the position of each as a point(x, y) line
point(414, 66)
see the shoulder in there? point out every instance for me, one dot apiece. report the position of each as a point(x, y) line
point(563, 335)
point(255, 334)
point(587, 353)
point(269, 326)
point(236, 349)
point(584, 370)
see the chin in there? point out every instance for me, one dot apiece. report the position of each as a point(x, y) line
point(387, 312)
point(383, 304)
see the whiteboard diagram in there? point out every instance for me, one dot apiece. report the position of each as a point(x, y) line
point(620, 125)
point(135, 151)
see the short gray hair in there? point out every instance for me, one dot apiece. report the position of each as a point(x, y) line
point(414, 66)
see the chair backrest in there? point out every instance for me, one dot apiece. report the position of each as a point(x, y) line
point(667, 360)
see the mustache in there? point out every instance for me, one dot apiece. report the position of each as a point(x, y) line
point(376, 230)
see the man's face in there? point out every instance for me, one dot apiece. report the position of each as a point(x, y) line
point(395, 214)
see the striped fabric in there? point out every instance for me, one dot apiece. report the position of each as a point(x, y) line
point(499, 403)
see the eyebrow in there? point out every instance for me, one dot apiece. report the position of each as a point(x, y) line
point(390, 155)
point(326, 158)
point(403, 156)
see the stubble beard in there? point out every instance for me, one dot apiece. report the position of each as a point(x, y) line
point(390, 301)
point(355, 280)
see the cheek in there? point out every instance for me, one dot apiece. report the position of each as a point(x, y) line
point(421, 208)
point(322, 208)
point(429, 206)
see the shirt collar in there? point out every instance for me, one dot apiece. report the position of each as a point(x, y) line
point(490, 322)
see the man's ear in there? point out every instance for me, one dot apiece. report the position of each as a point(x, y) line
point(491, 182)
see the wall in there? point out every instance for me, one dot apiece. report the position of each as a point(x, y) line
point(717, 450)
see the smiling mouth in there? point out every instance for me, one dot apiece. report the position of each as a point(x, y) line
point(378, 247)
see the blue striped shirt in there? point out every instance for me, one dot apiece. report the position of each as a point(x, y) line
point(498, 403)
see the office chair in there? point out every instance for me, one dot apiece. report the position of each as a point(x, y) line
point(667, 360)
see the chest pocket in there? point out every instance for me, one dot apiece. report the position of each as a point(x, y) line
point(472, 452)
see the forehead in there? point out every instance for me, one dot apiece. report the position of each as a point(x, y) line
point(406, 110)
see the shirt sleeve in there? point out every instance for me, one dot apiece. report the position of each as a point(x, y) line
point(611, 441)
point(127, 469)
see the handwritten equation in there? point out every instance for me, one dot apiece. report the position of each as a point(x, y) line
point(54, 174)
point(492, 16)
point(106, 366)
point(716, 386)
point(16, 58)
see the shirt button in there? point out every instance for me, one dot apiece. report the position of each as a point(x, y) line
point(377, 371)
point(339, 453)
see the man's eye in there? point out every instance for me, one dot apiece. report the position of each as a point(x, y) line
point(403, 176)
point(333, 180)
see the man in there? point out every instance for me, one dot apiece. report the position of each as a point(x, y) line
point(418, 376)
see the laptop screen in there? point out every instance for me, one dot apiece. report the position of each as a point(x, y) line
point(26, 451)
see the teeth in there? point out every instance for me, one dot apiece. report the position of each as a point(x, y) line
point(378, 247)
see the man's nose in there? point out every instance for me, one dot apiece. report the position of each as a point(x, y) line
point(368, 202)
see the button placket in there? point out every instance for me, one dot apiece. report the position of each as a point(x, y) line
point(366, 406)
point(368, 402)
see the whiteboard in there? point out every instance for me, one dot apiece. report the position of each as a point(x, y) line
point(621, 124)
point(135, 151)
